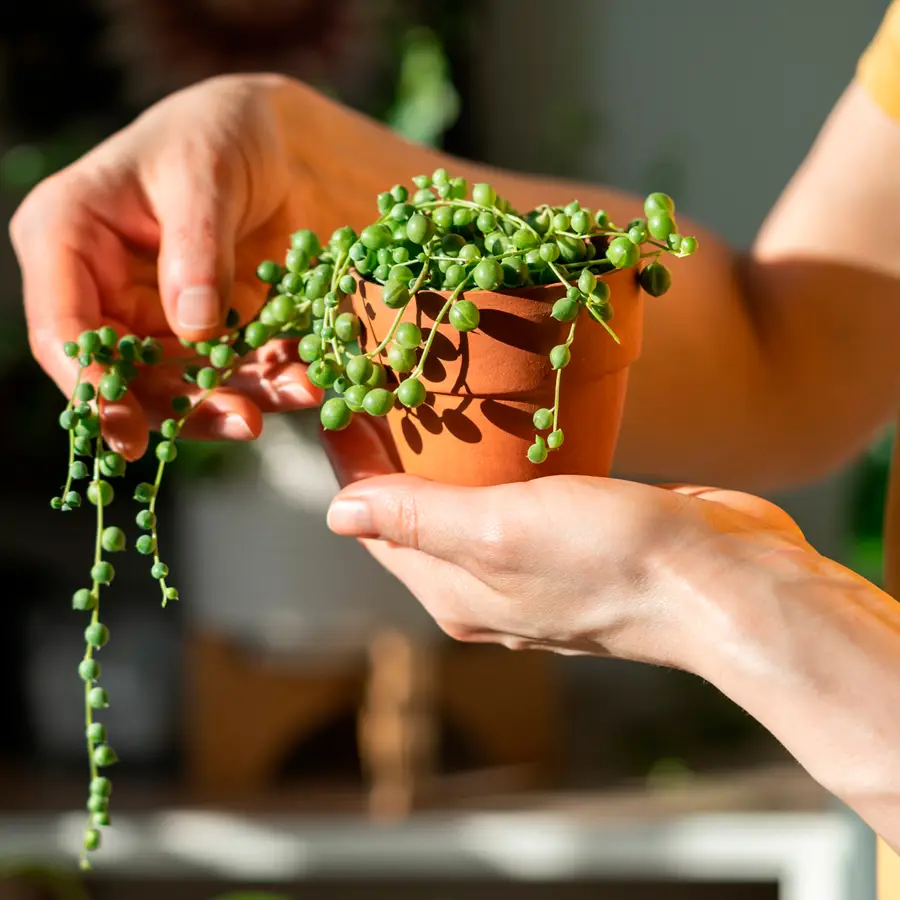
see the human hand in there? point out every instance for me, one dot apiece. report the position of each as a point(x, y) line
point(157, 232)
point(569, 564)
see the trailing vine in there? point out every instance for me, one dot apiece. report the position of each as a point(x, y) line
point(438, 237)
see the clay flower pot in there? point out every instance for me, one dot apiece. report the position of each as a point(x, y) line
point(484, 386)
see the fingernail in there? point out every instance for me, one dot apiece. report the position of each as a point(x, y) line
point(234, 428)
point(351, 517)
point(198, 307)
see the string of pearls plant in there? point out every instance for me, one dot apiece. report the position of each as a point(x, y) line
point(439, 236)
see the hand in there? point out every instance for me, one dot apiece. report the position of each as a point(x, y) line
point(569, 564)
point(158, 231)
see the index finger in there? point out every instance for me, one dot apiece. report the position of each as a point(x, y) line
point(61, 301)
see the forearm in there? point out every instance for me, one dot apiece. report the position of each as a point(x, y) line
point(782, 364)
point(815, 657)
point(756, 371)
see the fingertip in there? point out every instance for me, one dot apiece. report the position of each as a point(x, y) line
point(197, 313)
point(293, 385)
point(276, 386)
point(225, 416)
point(198, 307)
point(235, 427)
point(125, 427)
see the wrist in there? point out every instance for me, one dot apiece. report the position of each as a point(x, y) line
point(733, 600)
point(667, 613)
point(809, 649)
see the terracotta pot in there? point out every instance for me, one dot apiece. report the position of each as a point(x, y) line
point(484, 386)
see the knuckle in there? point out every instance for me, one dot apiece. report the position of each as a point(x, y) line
point(38, 345)
point(42, 344)
point(16, 225)
point(223, 168)
point(407, 521)
point(496, 550)
point(30, 217)
point(26, 213)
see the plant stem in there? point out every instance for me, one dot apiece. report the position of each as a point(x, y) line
point(556, 271)
point(339, 268)
point(417, 371)
point(568, 284)
point(154, 533)
point(417, 285)
point(559, 372)
point(160, 470)
point(95, 617)
point(70, 405)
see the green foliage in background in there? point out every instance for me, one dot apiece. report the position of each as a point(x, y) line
point(427, 103)
point(867, 510)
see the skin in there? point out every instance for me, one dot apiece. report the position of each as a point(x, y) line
point(212, 179)
point(718, 583)
point(758, 371)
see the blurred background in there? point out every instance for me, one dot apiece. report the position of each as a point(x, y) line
point(296, 723)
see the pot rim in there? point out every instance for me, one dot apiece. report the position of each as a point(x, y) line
point(524, 292)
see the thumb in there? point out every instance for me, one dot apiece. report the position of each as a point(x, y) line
point(196, 197)
point(441, 520)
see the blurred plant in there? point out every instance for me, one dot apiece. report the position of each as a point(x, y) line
point(867, 509)
point(22, 166)
point(427, 103)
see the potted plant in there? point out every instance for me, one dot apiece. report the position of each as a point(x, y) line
point(452, 316)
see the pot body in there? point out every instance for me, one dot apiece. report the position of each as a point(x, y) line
point(484, 386)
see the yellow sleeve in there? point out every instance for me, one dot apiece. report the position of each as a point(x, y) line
point(879, 67)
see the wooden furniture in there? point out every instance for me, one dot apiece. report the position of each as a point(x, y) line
point(397, 734)
point(244, 714)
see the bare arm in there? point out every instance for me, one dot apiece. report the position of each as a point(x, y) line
point(718, 583)
point(758, 371)
point(813, 652)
